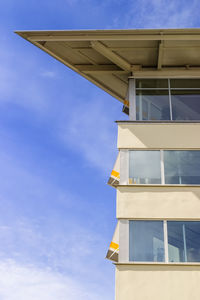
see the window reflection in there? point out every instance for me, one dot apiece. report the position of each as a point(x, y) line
point(185, 83)
point(183, 241)
point(146, 241)
point(152, 105)
point(156, 100)
point(185, 105)
point(144, 167)
point(182, 167)
point(151, 83)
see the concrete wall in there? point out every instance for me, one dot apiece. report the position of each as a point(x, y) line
point(156, 282)
point(159, 136)
point(158, 202)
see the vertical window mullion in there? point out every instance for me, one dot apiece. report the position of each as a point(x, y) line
point(132, 99)
point(124, 166)
point(170, 99)
point(166, 241)
point(140, 107)
point(162, 167)
point(184, 243)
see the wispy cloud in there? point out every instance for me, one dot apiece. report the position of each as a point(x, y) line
point(29, 282)
point(158, 14)
point(89, 130)
point(48, 74)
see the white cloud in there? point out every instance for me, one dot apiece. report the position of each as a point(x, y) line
point(86, 127)
point(44, 225)
point(90, 130)
point(18, 84)
point(27, 282)
point(48, 74)
point(159, 14)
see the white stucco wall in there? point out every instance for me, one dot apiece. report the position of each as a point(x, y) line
point(159, 135)
point(157, 282)
point(158, 202)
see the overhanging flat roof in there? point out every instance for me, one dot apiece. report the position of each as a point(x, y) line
point(109, 57)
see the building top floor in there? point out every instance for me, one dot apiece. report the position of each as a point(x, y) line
point(164, 62)
point(158, 99)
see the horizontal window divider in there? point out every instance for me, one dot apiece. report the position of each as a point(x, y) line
point(159, 263)
point(150, 89)
point(158, 185)
point(166, 89)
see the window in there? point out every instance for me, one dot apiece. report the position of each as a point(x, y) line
point(144, 167)
point(149, 242)
point(146, 241)
point(164, 166)
point(168, 99)
point(182, 167)
point(184, 241)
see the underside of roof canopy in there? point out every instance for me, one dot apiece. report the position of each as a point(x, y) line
point(109, 57)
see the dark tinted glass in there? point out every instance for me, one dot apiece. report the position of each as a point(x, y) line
point(152, 105)
point(151, 83)
point(184, 241)
point(185, 104)
point(146, 241)
point(185, 83)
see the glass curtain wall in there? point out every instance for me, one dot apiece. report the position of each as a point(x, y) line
point(168, 99)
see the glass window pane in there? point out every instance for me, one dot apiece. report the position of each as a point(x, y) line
point(185, 83)
point(152, 105)
point(151, 83)
point(146, 241)
point(182, 167)
point(183, 241)
point(185, 104)
point(144, 167)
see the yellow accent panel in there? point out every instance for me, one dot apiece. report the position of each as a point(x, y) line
point(115, 173)
point(114, 246)
point(126, 102)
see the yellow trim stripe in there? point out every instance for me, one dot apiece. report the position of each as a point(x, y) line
point(115, 173)
point(126, 102)
point(114, 246)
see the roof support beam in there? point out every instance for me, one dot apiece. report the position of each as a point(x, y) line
point(168, 72)
point(115, 58)
point(160, 55)
point(98, 68)
point(49, 36)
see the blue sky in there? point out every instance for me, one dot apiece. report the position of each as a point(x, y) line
point(57, 147)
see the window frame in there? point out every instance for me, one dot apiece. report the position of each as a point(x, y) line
point(162, 168)
point(169, 89)
point(165, 240)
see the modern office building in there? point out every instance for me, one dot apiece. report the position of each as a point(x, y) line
point(156, 76)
